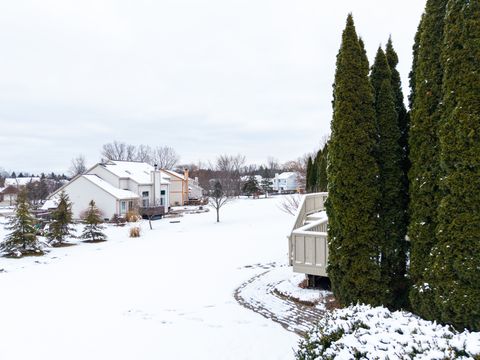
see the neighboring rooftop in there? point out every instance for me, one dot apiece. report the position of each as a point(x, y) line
point(20, 181)
point(116, 192)
point(139, 172)
point(286, 175)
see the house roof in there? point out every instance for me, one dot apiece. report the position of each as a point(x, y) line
point(173, 173)
point(139, 172)
point(112, 190)
point(286, 175)
point(21, 181)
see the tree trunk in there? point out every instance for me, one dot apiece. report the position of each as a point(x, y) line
point(218, 214)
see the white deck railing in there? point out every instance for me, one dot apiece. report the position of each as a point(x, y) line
point(307, 243)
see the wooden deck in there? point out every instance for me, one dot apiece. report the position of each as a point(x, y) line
point(307, 243)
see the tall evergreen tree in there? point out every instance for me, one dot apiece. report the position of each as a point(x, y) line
point(412, 74)
point(310, 175)
point(61, 225)
point(392, 205)
point(352, 207)
point(455, 273)
point(403, 119)
point(92, 232)
point(424, 154)
point(23, 239)
point(321, 167)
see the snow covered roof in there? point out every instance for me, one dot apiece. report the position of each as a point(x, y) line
point(286, 175)
point(50, 204)
point(22, 181)
point(173, 173)
point(259, 178)
point(112, 190)
point(139, 172)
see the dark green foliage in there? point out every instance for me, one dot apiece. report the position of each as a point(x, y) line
point(317, 172)
point(392, 205)
point(311, 176)
point(251, 186)
point(92, 232)
point(424, 153)
point(352, 207)
point(455, 273)
point(321, 167)
point(403, 120)
point(60, 227)
point(23, 239)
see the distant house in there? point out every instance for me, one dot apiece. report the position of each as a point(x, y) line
point(285, 182)
point(12, 186)
point(182, 187)
point(117, 187)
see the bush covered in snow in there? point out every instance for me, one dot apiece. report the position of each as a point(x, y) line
point(363, 332)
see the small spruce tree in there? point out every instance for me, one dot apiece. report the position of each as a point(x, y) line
point(23, 239)
point(61, 225)
point(92, 232)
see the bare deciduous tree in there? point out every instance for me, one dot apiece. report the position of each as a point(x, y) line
point(165, 157)
point(290, 204)
point(144, 153)
point(77, 166)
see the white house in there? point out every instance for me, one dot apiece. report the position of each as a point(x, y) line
point(117, 187)
point(182, 187)
point(285, 182)
point(12, 186)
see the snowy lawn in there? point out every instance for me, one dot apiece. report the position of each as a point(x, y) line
point(165, 295)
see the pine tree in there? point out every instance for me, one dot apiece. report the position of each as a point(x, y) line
point(61, 225)
point(424, 155)
point(391, 206)
point(251, 186)
point(352, 207)
point(92, 232)
point(23, 239)
point(455, 275)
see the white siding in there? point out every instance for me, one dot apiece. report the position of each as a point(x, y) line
point(106, 175)
point(81, 191)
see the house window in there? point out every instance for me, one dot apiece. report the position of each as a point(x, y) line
point(145, 202)
point(162, 192)
point(123, 207)
point(145, 194)
point(130, 205)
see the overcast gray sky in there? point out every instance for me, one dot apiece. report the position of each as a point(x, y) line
point(205, 77)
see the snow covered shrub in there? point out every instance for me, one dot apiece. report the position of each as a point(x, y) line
point(135, 232)
point(365, 332)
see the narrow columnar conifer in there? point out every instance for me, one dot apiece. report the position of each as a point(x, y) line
point(391, 205)
point(352, 207)
point(310, 175)
point(403, 118)
point(455, 272)
point(321, 165)
point(424, 155)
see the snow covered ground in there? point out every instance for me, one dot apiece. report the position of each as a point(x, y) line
point(167, 294)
